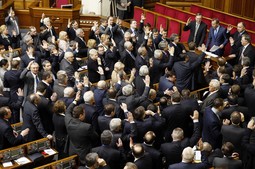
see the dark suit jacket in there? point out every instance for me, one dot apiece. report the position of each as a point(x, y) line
point(208, 100)
point(155, 156)
point(91, 115)
point(139, 61)
point(249, 96)
point(32, 120)
point(237, 38)
point(25, 60)
point(184, 72)
point(103, 122)
point(83, 50)
point(70, 69)
point(82, 135)
point(128, 61)
point(144, 162)
point(112, 156)
point(92, 71)
point(248, 52)
point(211, 129)
point(220, 39)
point(173, 150)
point(12, 81)
point(175, 117)
point(182, 165)
point(201, 32)
point(233, 130)
point(71, 33)
point(7, 138)
point(227, 162)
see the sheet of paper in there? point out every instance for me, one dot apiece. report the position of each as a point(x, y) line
point(22, 160)
point(211, 54)
point(214, 48)
point(7, 164)
point(197, 155)
point(50, 151)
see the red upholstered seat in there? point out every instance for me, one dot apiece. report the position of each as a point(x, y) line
point(160, 8)
point(219, 15)
point(252, 37)
point(195, 9)
point(207, 13)
point(207, 22)
point(170, 12)
point(185, 36)
point(182, 16)
point(150, 18)
point(231, 20)
point(137, 14)
point(173, 27)
point(161, 20)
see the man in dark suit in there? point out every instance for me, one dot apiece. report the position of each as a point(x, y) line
point(175, 116)
point(90, 109)
point(128, 58)
point(67, 65)
point(141, 59)
point(118, 34)
point(93, 161)
point(71, 29)
point(45, 109)
point(114, 158)
point(82, 135)
point(83, 50)
point(143, 160)
point(12, 24)
point(246, 50)
point(157, 66)
point(30, 77)
point(197, 29)
point(228, 160)
point(104, 120)
point(249, 95)
point(187, 161)
point(236, 37)
point(172, 150)
point(9, 137)
point(29, 56)
point(217, 37)
point(212, 124)
point(228, 131)
point(32, 120)
point(45, 21)
point(148, 145)
point(212, 94)
point(184, 71)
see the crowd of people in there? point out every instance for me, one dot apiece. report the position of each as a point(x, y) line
point(113, 117)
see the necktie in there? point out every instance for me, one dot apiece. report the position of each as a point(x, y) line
point(195, 34)
point(215, 32)
point(132, 56)
point(242, 56)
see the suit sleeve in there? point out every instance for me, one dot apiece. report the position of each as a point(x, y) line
point(196, 135)
point(38, 124)
point(225, 37)
point(8, 134)
point(246, 142)
point(204, 30)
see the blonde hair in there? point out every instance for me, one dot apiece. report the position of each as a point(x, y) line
point(91, 43)
point(62, 35)
point(2, 28)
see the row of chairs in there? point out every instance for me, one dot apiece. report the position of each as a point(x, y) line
point(225, 18)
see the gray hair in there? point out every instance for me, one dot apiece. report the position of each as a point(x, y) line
point(188, 155)
point(115, 124)
point(68, 91)
point(127, 44)
point(68, 54)
point(215, 84)
point(27, 38)
point(162, 45)
point(88, 96)
point(127, 90)
point(101, 84)
point(143, 71)
point(157, 54)
point(78, 32)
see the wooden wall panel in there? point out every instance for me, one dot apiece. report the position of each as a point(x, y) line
point(248, 8)
point(219, 5)
point(236, 7)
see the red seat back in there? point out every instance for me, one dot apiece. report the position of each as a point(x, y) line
point(137, 14)
point(161, 20)
point(173, 27)
point(160, 8)
point(150, 18)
